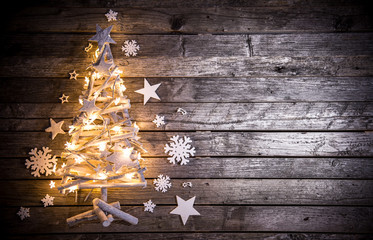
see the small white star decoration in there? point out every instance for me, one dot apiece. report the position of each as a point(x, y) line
point(55, 128)
point(64, 98)
point(149, 206)
point(185, 208)
point(149, 91)
point(111, 16)
point(47, 200)
point(89, 106)
point(23, 213)
point(74, 75)
point(159, 120)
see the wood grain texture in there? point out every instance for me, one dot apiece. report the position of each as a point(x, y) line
point(244, 45)
point(207, 116)
point(198, 236)
point(326, 144)
point(213, 218)
point(231, 18)
point(208, 192)
point(196, 66)
point(225, 167)
point(172, 90)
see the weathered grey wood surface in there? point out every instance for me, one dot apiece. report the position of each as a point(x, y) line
point(213, 219)
point(279, 99)
point(233, 167)
point(207, 143)
point(190, 90)
point(220, 116)
point(209, 191)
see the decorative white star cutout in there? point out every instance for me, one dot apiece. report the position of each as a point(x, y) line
point(149, 91)
point(102, 36)
point(89, 106)
point(185, 208)
point(55, 128)
point(121, 157)
point(64, 98)
point(101, 65)
point(73, 75)
point(52, 184)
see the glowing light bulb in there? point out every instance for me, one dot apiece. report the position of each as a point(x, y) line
point(116, 129)
point(81, 101)
point(122, 88)
point(102, 176)
point(116, 101)
point(135, 126)
point(86, 82)
point(102, 146)
point(129, 175)
point(70, 146)
point(73, 188)
point(78, 160)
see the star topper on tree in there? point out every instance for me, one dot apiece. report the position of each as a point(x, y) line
point(103, 151)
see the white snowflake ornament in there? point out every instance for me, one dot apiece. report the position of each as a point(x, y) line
point(23, 213)
point(111, 16)
point(130, 48)
point(52, 184)
point(162, 183)
point(149, 206)
point(47, 200)
point(179, 150)
point(159, 121)
point(41, 162)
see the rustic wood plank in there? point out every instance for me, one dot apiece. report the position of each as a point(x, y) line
point(196, 66)
point(210, 167)
point(196, 236)
point(213, 218)
point(297, 144)
point(207, 116)
point(244, 45)
point(189, 19)
point(208, 191)
point(251, 89)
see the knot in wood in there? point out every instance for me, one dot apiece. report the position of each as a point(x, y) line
point(177, 22)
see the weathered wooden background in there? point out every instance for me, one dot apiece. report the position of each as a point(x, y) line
point(279, 98)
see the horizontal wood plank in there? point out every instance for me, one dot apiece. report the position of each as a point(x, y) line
point(244, 45)
point(208, 191)
point(210, 167)
point(251, 89)
point(213, 218)
point(298, 16)
point(207, 116)
point(164, 66)
point(307, 144)
point(195, 236)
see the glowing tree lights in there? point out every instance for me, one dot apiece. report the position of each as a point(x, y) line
point(103, 151)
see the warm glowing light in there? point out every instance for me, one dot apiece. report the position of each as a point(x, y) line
point(118, 72)
point(71, 129)
point(96, 75)
point(78, 160)
point(73, 188)
point(102, 176)
point(86, 82)
point(70, 146)
point(81, 101)
point(135, 126)
point(88, 127)
point(102, 146)
point(63, 165)
point(122, 88)
point(130, 175)
point(96, 53)
point(116, 101)
point(116, 129)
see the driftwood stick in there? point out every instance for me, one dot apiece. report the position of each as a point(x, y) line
point(88, 215)
point(101, 215)
point(116, 212)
